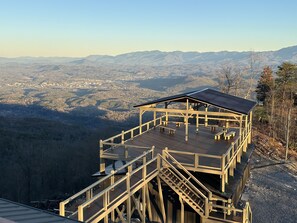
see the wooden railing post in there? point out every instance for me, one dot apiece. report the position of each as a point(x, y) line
point(132, 134)
point(112, 179)
point(80, 216)
point(62, 209)
point(196, 164)
point(158, 162)
point(153, 151)
point(206, 207)
point(223, 163)
point(102, 161)
point(144, 166)
point(223, 174)
point(89, 194)
point(129, 197)
point(233, 145)
point(123, 137)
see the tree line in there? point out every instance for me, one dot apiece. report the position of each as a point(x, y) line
point(277, 96)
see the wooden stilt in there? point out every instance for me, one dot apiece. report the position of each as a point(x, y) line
point(182, 210)
point(187, 122)
point(223, 182)
point(148, 202)
point(161, 200)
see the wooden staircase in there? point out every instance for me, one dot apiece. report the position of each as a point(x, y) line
point(186, 192)
point(183, 183)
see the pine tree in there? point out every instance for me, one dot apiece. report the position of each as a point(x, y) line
point(265, 84)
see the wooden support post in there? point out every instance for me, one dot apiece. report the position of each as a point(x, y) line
point(143, 202)
point(239, 157)
point(89, 194)
point(62, 209)
point(123, 137)
point(132, 134)
point(166, 118)
point(105, 205)
point(80, 214)
point(161, 199)
point(155, 116)
point(231, 169)
point(187, 122)
point(223, 182)
point(112, 179)
point(182, 210)
point(106, 219)
point(197, 122)
point(166, 114)
point(206, 119)
point(234, 163)
point(112, 216)
point(229, 206)
point(148, 201)
point(250, 126)
point(223, 174)
point(245, 144)
point(196, 164)
point(226, 176)
point(144, 167)
point(129, 197)
point(102, 161)
point(140, 121)
point(240, 128)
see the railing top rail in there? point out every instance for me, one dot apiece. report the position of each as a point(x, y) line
point(125, 145)
point(191, 153)
point(106, 177)
point(192, 177)
point(132, 129)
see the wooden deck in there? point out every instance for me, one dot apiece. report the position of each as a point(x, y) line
point(202, 143)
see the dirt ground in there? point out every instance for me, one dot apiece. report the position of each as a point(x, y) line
point(272, 188)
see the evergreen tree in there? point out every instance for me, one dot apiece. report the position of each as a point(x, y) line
point(265, 84)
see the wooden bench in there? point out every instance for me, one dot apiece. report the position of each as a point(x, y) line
point(218, 135)
point(229, 135)
point(178, 124)
point(213, 128)
point(171, 131)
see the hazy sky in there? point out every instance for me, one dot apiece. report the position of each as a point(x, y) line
point(84, 27)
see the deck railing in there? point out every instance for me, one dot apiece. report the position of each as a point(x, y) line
point(217, 164)
point(134, 132)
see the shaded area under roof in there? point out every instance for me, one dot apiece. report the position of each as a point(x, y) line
point(15, 212)
point(212, 97)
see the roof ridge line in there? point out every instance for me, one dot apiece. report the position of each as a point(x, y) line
point(195, 92)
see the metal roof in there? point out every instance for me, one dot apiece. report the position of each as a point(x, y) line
point(12, 212)
point(212, 97)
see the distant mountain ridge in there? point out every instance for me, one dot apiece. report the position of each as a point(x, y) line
point(159, 58)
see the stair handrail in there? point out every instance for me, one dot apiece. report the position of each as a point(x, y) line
point(209, 193)
point(207, 207)
point(63, 203)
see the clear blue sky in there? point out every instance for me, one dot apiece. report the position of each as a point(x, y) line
point(84, 27)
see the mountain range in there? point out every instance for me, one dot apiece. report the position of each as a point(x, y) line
point(159, 58)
